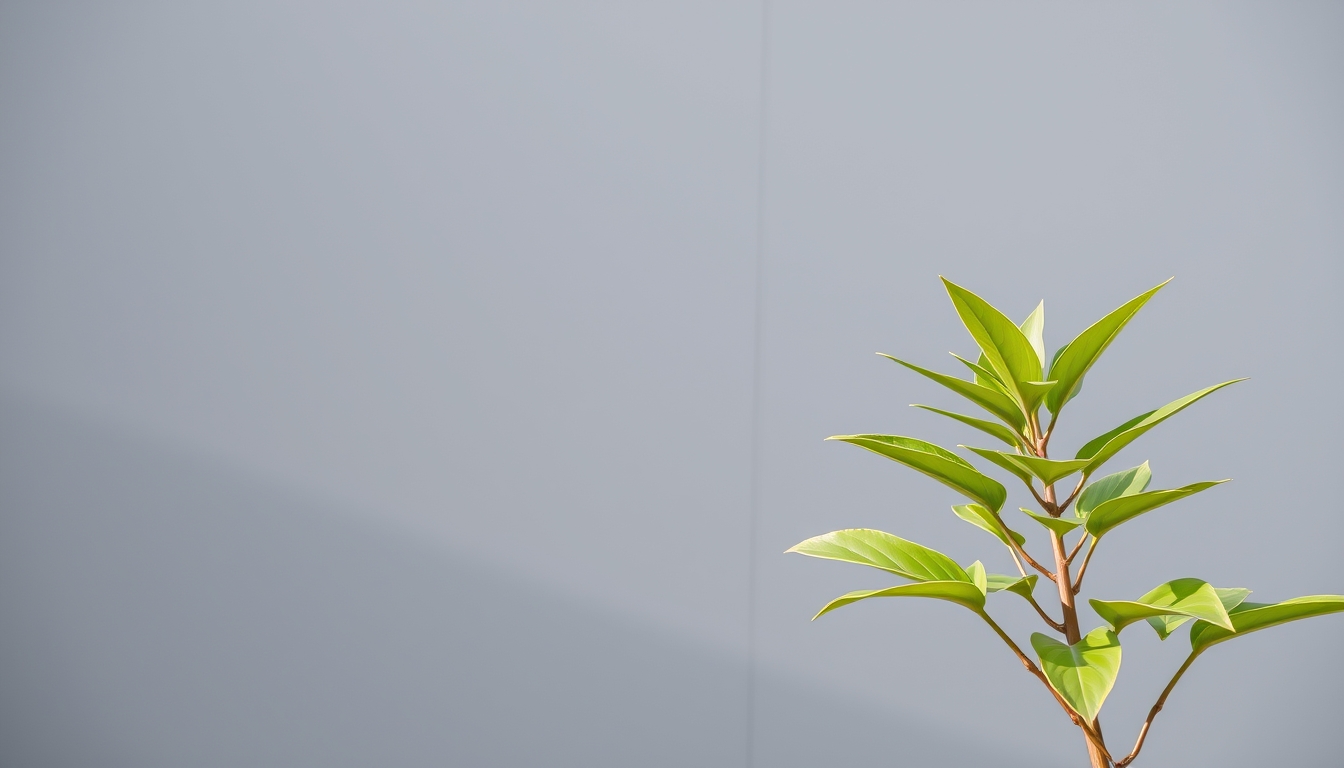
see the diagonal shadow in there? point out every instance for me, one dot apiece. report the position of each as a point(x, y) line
point(159, 611)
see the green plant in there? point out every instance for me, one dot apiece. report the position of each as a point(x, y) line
point(1012, 381)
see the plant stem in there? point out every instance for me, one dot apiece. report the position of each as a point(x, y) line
point(1152, 713)
point(1078, 585)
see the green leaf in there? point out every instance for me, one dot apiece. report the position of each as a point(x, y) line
point(1230, 597)
point(1102, 448)
point(992, 400)
point(976, 571)
point(882, 550)
point(1077, 386)
point(1018, 585)
point(960, 592)
point(1082, 673)
point(988, 427)
point(1008, 350)
point(1077, 357)
point(1060, 525)
point(982, 374)
point(938, 463)
point(1111, 513)
point(983, 519)
point(1001, 459)
point(1034, 329)
point(1187, 598)
point(1250, 617)
point(1033, 392)
point(1126, 483)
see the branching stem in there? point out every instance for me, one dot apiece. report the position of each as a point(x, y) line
point(1152, 713)
point(1078, 585)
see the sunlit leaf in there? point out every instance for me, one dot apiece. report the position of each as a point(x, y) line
point(1082, 673)
point(976, 572)
point(1187, 598)
point(983, 519)
point(1078, 355)
point(1102, 448)
point(938, 463)
point(1111, 513)
point(1126, 483)
point(1048, 471)
point(883, 550)
point(1230, 597)
point(988, 427)
point(1060, 525)
point(960, 592)
point(1250, 617)
point(992, 400)
point(982, 375)
point(1008, 350)
point(1018, 585)
point(1034, 329)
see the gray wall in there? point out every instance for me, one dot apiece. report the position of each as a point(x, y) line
point(439, 384)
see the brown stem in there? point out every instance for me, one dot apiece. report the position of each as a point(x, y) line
point(1076, 547)
point(1078, 585)
point(1017, 548)
point(1055, 625)
point(1077, 719)
point(1152, 713)
point(1073, 495)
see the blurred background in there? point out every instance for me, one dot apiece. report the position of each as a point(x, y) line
point(440, 383)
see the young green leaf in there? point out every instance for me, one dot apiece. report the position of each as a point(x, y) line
point(1048, 471)
point(1185, 598)
point(959, 592)
point(1018, 585)
point(1060, 525)
point(1082, 673)
point(1230, 597)
point(938, 463)
point(885, 551)
point(985, 520)
point(1077, 385)
point(1250, 617)
point(1077, 357)
point(1102, 448)
point(1034, 329)
point(1033, 392)
point(1008, 350)
point(988, 427)
point(992, 400)
point(1126, 483)
point(1111, 513)
point(976, 571)
point(982, 375)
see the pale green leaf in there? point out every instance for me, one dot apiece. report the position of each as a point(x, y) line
point(992, 400)
point(938, 463)
point(1126, 483)
point(982, 374)
point(1060, 525)
point(1077, 385)
point(976, 571)
point(1230, 597)
point(1250, 617)
point(1102, 448)
point(960, 592)
point(1111, 513)
point(883, 550)
point(1048, 471)
point(992, 428)
point(1018, 585)
point(1186, 598)
point(983, 519)
point(1008, 350)
point(1083, 673)
point(1034, 329)
point(1077, 357)
point(1033, 392)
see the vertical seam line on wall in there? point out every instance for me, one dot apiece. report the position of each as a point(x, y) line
point(754, 514)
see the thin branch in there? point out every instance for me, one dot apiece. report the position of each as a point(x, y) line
point(1046, 505)
point(1078, 585)
point(1017, 561)
point(1017, 549)
point(1049, 430)
point(1073, 495)
point(1055, 625)
point(1076, 548)
point(1161, 700)
point(1077, 719)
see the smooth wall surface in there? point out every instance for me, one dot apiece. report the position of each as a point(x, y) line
point(439, 384)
